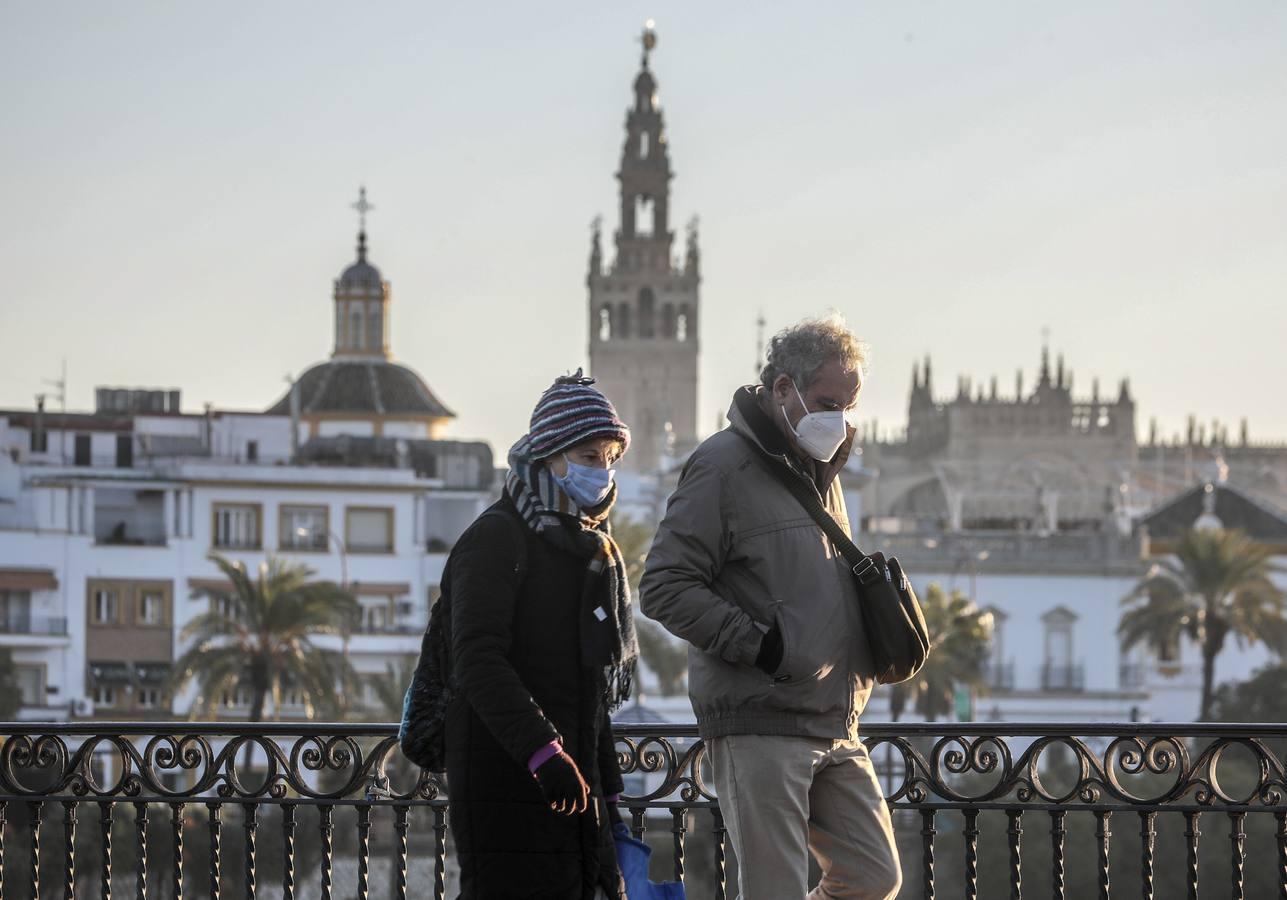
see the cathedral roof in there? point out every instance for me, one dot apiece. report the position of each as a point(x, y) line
point(363, 387)
point(1230, 506)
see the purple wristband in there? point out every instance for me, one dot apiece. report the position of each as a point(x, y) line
point(544, 755)
point(615, 798)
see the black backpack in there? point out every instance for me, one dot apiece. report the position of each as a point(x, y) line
point(423, 731)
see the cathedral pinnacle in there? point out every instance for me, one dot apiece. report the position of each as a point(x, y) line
point(649, 41)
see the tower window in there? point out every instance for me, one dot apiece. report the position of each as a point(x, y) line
point(373, 331)
point(668, 321)
point(647, 313)
point(623, 320)
point(645, 211)
point(681, 324)
point(355, 329)
point(643, 145)
point(605, 323)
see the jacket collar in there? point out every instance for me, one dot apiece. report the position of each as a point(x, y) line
point(747, 418)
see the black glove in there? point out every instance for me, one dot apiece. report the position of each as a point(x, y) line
point(562, 784)
point(770, 655)
point(614, 814)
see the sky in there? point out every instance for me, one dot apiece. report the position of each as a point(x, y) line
point(954, 178)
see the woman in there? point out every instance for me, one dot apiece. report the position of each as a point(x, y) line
point(543, 648)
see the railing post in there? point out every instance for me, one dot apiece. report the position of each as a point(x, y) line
point(721, 836)
point(1057, 833)
point(69, 849)
point(1148, 838)
point(250, 821)
point(3, 806)
point(1015, 833)
point(927, 853)
point(35, 812)
point(176, 832)
point(971, 835)
point(105, 825)
point(1280, 835)
point(140, 828)
point(401, 822)
point(288, 851)
point(678, 828)
point(440, 853)
point(1102, 836)
point(1192, 834)
point(326, 832)
point(216, 860)
point(1238, 851)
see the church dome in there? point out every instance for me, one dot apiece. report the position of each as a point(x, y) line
point(363, 388)
point(361, 277)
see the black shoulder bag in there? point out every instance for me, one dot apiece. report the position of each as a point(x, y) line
point(891, 614)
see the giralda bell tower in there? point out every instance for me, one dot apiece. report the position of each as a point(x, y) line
point(644, 304)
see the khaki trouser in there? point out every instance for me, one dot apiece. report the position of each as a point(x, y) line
point(783, 797)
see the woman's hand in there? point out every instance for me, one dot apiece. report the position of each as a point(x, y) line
point(562, 784)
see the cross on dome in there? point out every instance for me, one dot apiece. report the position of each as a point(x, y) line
point(363, 207)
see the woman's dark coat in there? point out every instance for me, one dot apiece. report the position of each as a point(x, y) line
point(520, 685)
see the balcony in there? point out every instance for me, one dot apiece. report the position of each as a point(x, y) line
point(1069, 678)
point(999, 676)
point(54, 626)
point(1072, 810)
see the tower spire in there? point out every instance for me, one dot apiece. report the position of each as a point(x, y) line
point(645, 301)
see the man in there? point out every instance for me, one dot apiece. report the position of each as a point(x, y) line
point(779, 666)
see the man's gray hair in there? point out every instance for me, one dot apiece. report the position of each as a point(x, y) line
point(802, 349)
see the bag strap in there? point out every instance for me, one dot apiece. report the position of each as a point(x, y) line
point(863, 566)
point(519, 531)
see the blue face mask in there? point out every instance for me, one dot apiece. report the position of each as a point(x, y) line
point(587, 485)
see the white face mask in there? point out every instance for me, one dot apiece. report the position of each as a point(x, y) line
point(819, 434)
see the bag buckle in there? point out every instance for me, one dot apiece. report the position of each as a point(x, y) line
point(867, 571)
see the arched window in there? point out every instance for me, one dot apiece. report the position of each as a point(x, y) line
point(645, 212)
point(605, 323)
point(681, 324)
point(643, 145)
point(647, 313)
point(668, 321)
point(623, 320)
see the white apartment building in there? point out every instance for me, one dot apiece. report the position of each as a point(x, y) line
point(108, 519)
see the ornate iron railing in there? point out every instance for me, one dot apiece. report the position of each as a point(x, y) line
point(275, 810)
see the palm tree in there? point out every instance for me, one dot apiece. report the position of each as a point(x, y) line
point(960, 634)
point(264, 637)
point(1217, 584)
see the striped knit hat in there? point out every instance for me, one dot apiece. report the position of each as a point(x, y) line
point(572, 411)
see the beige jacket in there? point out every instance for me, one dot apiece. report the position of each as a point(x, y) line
point(736, 552)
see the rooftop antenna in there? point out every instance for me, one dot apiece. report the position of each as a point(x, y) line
point(61, 395)
point(61, 384)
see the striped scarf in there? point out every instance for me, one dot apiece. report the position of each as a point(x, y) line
point(608, 642)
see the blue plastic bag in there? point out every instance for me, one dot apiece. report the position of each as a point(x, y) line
point(632, 857)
